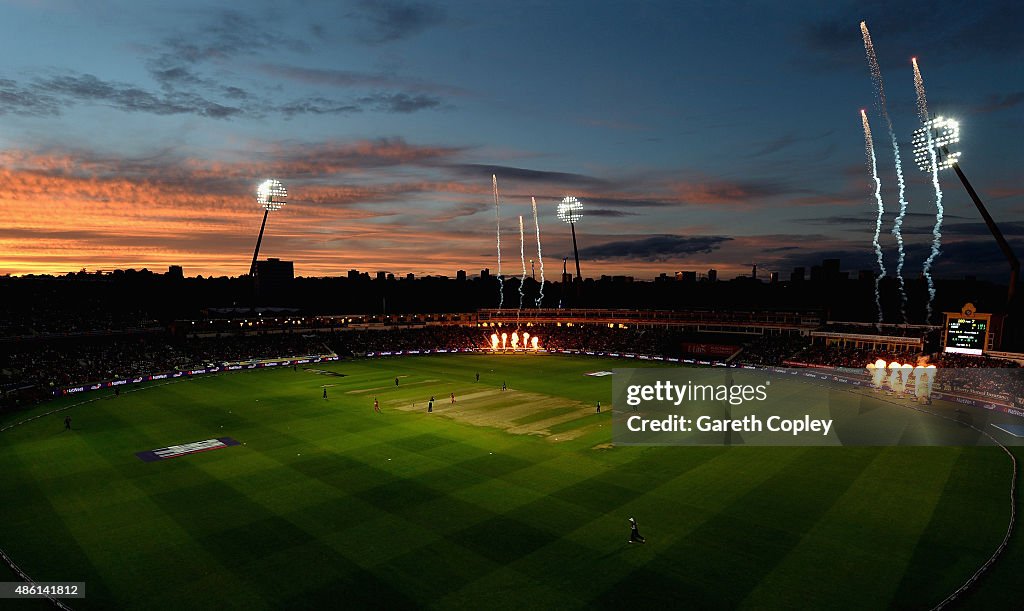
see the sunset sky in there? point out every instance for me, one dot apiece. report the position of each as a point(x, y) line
point(698, 134)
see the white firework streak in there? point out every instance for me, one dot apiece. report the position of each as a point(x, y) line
point(897, 227)
point(522, 257)
point(497, 217)
point(922, 111)
point(872, 162)
point(936, 229)
point(540, 257)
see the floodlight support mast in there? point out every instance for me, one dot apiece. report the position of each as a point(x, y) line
point(256, 253)
point(996, 233)
point(575, 251)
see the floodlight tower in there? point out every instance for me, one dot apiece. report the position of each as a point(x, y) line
point(271, 195)
point(938, 134)
point(570, 210)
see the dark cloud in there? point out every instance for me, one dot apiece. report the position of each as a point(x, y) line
point(390, 20)
point(351, 78)
point(623, 202)
point(610, 213)
point(401, 103)
point(177, 63)
point(523, 174)
point(857, 220)
point(15, 99)
point(786, 141)
point(86, 87)
point(217, 36)
point(317, 106)
point(176, 76)
point(994, 103)
point(222, 35)
point(392, 103)
point(236, 93)
point(655, 248)
point(1009, 229)
point(48, 96)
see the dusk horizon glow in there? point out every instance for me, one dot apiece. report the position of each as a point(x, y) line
point(697, 136)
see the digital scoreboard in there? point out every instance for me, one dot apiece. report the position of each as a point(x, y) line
point(966, 335)
point(967, 332)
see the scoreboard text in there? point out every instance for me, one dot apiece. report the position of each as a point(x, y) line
point(966, 335)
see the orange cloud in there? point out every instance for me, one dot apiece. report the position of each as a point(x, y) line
point(381, 204)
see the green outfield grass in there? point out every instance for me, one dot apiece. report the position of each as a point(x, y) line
point(503, 500)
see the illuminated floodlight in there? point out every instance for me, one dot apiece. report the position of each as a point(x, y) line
point(570, 210)
point(271, 194)
point(936, 135)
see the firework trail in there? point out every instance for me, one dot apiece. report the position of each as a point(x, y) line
point(522, 257)
point(497, 217)
point(540, 257)
point(869, 145)
point(922, 99)
point(897, 227)
point(922, 111)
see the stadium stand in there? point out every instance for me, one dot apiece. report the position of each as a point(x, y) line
point(34, 366)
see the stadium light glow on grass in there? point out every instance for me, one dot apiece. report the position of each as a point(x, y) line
point(943, 132)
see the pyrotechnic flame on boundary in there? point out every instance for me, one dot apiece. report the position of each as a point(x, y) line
point(540, 256)
point(513, 341)
point(900, 375)
point(869, 146)
point(497, 217)
point(522, 257)
point(897, 228)
point(922, 111)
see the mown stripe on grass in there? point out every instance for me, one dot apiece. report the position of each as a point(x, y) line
point(867, 535)
point(946, 552)
point(732, 546)
point(35, 532)
point(544, 415)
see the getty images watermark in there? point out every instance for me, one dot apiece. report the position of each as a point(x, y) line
point(734, 395)
point(808, 407)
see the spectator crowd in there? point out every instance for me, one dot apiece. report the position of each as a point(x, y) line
point(33, 368)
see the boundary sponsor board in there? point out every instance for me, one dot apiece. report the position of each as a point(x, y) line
point(192, 372)
point(186, 448)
